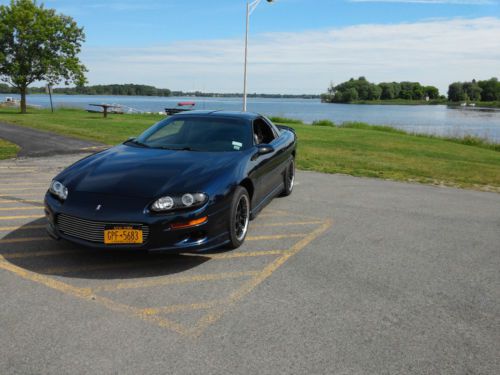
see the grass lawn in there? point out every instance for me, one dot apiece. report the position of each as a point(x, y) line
point(81, 124)
point(397, 156)
point(358, 150)
point(8, 150)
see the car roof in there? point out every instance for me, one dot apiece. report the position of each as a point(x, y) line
point(229, 114)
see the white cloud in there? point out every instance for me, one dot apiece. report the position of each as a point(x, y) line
point(435, 52)
point(468, 2)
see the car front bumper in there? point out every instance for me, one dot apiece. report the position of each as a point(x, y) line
point(161, 237)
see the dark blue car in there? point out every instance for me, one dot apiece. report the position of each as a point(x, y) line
point(190, 183)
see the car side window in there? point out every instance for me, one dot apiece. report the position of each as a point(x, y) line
point(262, 132)
point(275, 129)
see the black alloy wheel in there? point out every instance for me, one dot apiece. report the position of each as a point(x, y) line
point(289, 178)
point(240, 217)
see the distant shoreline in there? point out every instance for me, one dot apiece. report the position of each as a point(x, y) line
point(478, 105)
point(183, 95)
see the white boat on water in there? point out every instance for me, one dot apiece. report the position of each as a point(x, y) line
point(10, 100)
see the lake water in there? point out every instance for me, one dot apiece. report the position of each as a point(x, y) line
point(432, 119)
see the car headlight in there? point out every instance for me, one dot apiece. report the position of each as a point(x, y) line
point(59, 190)
point(187, 200)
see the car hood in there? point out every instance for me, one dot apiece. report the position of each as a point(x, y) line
point(147, 173)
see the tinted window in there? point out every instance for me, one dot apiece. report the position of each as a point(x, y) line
point(199, 134)
point(262, 132)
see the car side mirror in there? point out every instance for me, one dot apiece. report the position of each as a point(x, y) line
point(263, 149)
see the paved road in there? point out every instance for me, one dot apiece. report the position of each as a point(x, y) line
point(37, 143)
point(346, 276)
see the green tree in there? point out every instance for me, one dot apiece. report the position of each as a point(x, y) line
point(37, 44)
point(490, 89)
point(350, 95)
point(374, 92)
point(406, 90)
point(390, 90)
point(456, 92)
point(472, 90)
point(431, 92)
point(6, 89)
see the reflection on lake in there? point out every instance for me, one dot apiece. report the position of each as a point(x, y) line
point(431, 119)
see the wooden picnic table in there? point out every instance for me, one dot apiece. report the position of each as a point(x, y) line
point(105, 107)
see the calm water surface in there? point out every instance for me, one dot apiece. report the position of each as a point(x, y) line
point(432, 119)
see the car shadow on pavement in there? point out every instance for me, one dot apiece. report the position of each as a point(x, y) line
point(30, 248)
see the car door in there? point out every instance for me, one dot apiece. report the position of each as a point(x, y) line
point(267, 177)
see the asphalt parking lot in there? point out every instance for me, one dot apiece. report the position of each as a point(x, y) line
point(346, 276)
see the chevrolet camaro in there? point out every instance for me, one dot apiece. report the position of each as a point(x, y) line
point(190, 183)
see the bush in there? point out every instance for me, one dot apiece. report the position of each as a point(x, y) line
point(284, 120)
point(323, 123)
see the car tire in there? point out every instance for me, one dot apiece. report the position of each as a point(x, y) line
point(239, 217)
point(289, 179)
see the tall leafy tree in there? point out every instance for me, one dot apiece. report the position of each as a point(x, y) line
point(456, 92)
point(38, 44)
point(472, 90)
point(490, 89)
point(431, 92)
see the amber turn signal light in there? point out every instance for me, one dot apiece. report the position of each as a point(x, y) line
point(189, 224)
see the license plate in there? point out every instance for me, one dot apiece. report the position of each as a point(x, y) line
point(122, 235)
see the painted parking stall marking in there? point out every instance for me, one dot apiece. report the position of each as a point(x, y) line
point(215, 282)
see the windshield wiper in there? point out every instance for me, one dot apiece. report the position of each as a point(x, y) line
point(178, 148)
point(135, 142)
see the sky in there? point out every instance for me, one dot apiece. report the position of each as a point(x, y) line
point(295, 46)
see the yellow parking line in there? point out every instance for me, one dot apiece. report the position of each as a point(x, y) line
point(151, 315)
point(275, 236)
point(23, 208)
point(241, 254)
point(16, 172)
point(17, 168)
point(215, 314)
point(169, 280)
point(273, 214)
point(181, 307)
point(20, 217)
point(96, 267)
point(16, 189)
point(284, 224)
point(25, 183)
point(86, 293)
point(19, 201)
point(26, 227)
point(34, 254)
point(61, 270)
point(25, 239)
point(22, 195)
point(274, 211)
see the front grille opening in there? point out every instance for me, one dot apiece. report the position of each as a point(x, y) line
point(88, 230)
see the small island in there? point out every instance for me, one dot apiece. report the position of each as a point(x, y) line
point(360, 91)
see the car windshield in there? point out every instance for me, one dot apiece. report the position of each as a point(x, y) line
point(210, 134)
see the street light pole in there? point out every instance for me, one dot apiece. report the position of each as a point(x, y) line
point(251, 5)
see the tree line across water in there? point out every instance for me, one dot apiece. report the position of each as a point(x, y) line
point(476, 91)
point(361, 89)
point(115, 89)
point(141, 90)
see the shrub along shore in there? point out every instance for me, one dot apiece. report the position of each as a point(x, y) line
point(356, 149)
